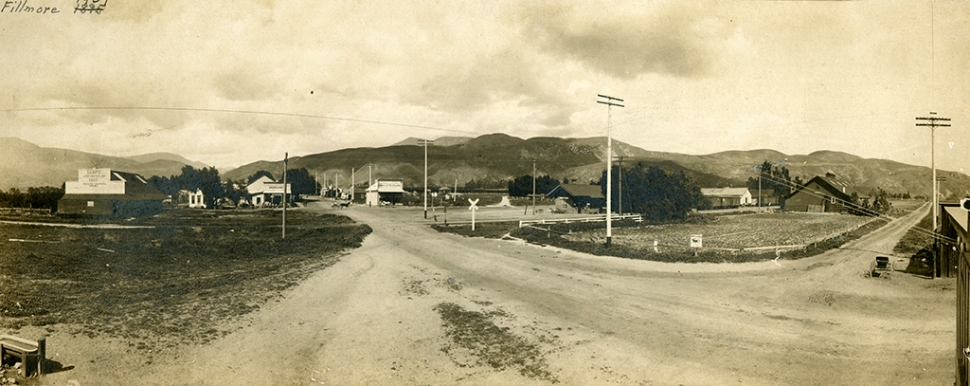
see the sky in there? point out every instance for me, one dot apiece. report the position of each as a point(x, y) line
point(232, 82)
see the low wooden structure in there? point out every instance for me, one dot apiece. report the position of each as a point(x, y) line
point(30, 352)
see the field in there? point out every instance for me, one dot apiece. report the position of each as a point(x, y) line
point(735, 238)
point(175, 281)
point(737, 232)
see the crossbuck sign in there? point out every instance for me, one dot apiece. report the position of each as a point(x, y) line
point(473, 208)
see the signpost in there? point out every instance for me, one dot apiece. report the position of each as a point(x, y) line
point(473, 208)
point(696, 241)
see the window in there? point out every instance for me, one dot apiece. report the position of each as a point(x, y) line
point(91, 203)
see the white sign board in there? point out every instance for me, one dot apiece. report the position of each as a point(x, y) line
point(94, 181)
point(696, 241)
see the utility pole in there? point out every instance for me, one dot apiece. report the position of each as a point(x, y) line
point(609, 102)
point(425, 143)
point(620, 185)
point(286, 160)
point(932, 123)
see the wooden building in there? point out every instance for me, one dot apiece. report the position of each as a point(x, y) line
point(583, 198)
point(385, 191)
point(265, 190)
point(104, 192)
point(952, 252)
point(821, 195)
point(728, 197)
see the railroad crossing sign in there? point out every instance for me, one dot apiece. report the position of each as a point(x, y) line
point(473, 208)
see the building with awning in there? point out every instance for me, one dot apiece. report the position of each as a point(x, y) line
point(106, 192)
point(385, 191)
point(265, 190)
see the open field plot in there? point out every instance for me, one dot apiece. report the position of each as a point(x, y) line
point(186, 275)
point(726, 238)
point(742, 231)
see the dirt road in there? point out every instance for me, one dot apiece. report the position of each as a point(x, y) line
point(376, 318)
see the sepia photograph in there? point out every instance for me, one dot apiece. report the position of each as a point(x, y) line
point(359, 192)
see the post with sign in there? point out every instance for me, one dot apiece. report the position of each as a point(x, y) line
point(473, 208)
point(697, 241)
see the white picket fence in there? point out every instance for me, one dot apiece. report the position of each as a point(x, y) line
point(634, 217)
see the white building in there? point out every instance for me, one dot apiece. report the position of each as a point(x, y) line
point(389, 191)
point(266, 191)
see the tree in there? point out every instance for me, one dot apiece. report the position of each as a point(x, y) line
point(522, 186)
point(301, 182)
point(880, 201)
point(44, 197)
point(655, 194)
point(773, 179)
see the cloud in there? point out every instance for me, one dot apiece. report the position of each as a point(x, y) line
point(668, 39)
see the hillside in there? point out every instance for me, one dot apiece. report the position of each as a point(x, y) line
point(500, 156)
point(28, 165)
point(162, 157)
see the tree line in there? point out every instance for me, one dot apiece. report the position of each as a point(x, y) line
point(215, 190)
point(44, 197)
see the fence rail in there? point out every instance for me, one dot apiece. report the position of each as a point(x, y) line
point(634, 217)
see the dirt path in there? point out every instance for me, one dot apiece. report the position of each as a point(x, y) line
point(372, 319)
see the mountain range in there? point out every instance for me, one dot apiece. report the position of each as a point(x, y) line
point(492, 157)
point(500, 157)
point(28, 165)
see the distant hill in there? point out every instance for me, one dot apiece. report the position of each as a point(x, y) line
point(442, 141)
point(28, 165)
point(502, 157)
point(156, 157)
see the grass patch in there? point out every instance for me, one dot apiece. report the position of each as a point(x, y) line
point(488, 230)
point(589, 237)
point(158, 287)
point(493, 346)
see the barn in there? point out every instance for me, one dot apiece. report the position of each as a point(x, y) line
point(104, 192)
point(821, 195)
point(583, 198)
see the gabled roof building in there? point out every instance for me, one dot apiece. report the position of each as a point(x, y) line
point(588, 198)
point(727, 197)
point(821, 195)
point(265, 190)
point(103, 192)
point(389, 191)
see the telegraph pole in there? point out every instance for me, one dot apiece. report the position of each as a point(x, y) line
point(425, 142)
point(286, 160)
point(933, 122)
point(609, 102)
